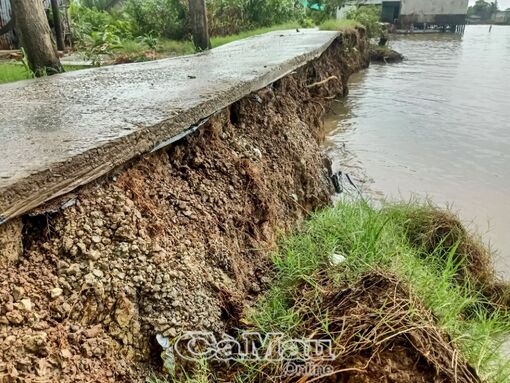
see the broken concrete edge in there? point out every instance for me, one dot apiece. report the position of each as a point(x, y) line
point(64, 177)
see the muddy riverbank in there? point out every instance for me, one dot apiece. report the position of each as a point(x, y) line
point(171, 241)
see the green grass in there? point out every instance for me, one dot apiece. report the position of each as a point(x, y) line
point(165, 47)
point(373, 239)
point(176, 48)
point(379, 240)
point(171, 48)
point(339, 25)
point(10, 72)
point(221, 40)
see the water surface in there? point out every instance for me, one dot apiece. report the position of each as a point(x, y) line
point(437, 125)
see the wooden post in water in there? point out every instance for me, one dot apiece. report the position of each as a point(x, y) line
point(199, 28)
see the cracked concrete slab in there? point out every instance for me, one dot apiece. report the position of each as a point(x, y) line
point(61, 132)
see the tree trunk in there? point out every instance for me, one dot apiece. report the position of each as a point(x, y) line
point(55, 10)
point(198, 19)
point(7, 27)
point(35, 37)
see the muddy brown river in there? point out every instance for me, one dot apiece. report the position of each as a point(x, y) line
point(436, 126)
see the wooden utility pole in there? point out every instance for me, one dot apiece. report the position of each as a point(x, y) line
point(198, 17)
point(57, 24)
point(35, 37)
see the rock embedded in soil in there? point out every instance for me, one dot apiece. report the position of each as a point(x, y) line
point(56, 292)
point(177, 240)
point(11, 244)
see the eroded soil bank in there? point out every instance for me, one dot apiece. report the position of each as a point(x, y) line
point(176, 240)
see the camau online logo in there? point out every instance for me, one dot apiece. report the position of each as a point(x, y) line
point(298, 356)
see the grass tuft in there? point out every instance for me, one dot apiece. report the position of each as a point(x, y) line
point(10, 72)
point(438, 232)
point(339, 25)
point(403, 294)
point(425, 248)
point(217, 41)
point(175, 48)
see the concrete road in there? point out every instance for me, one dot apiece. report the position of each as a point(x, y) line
point(63, 131)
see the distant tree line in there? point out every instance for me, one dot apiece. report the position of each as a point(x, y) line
point(484, 10)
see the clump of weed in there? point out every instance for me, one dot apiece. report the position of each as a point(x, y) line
point(425, 266)
point(341, 25)
point(384, 287)
point(438, 231)
point(377, 327)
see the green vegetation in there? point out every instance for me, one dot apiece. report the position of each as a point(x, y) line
point(221, 40)
point(366, 16)
point(369, 17)
point(390, 239)
point(412, 268)
point(168, 19)
point(139, 30)
point(174, 47)
point(10, 72)
point(339, 25)
point(483, 9)
point(228, 17)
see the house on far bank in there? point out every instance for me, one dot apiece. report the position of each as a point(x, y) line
point(501, 17)
point(410, 14)
point(474, 19)
point(498, 18)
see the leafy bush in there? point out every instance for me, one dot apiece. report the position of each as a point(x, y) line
point(319, 11)
point(85, 21)
point(150, 40)
point(162, 18)
point(97, 4)
point(317, 17)
point(339, 25)
point(306, 22)
point(270, 12)
point(99, 44)
point(227, 17)
point(368, 16)
point(168, 19)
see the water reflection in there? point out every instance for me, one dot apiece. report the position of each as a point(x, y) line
point(437, 125)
